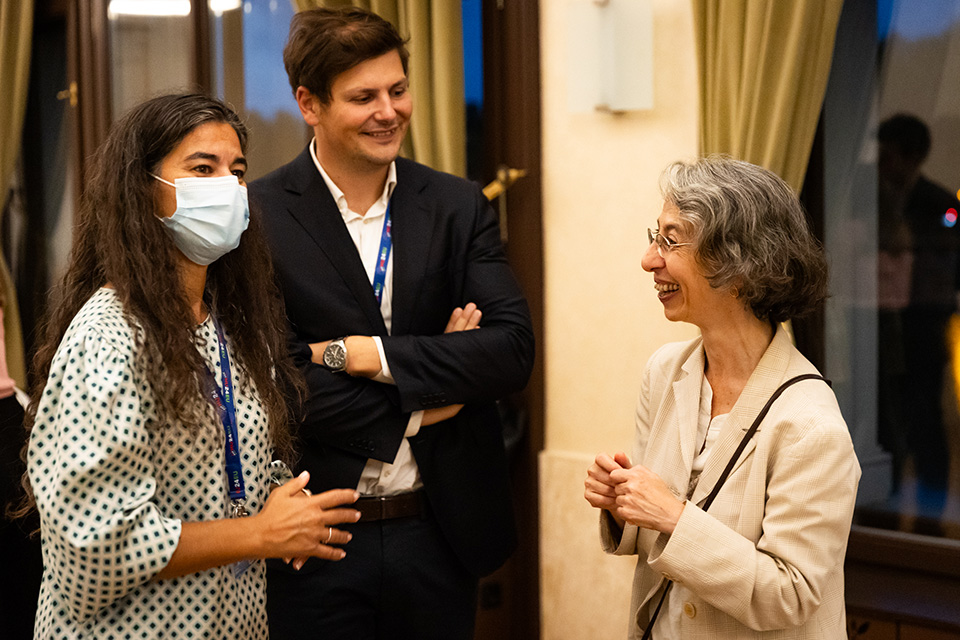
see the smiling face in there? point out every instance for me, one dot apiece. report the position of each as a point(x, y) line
point(211, 150)
point(682, 288)
point(362, 127)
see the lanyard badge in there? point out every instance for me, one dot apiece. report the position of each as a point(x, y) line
point(222, 398)
point(383, 256)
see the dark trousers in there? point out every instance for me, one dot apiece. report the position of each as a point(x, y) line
point(400, 579)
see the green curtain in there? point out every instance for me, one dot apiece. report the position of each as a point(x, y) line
point(763, 67)
point(438, 129)
point(16, 28)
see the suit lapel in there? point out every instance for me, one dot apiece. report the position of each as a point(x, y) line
point(671, 444)
point(769, 374)
point(412, 237)
point(316, 211)
point(686, 392)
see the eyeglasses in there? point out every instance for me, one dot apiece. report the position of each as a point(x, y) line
point(664, 244)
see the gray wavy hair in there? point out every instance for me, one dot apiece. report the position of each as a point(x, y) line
point(751, 234)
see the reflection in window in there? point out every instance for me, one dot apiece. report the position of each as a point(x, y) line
point(247, 40)
point(892, 132)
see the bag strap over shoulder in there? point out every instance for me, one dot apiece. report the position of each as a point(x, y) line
point(753, 429)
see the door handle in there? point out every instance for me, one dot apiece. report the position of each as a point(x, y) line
point(506, 176)
point(69, 94)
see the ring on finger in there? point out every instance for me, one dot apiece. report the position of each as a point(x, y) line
point(329, 536)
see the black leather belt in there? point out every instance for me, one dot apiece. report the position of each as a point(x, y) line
point(404, 505)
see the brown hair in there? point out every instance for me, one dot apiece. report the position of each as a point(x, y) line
point(323, 43)
point(119, 240)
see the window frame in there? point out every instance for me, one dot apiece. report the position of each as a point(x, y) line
point(881, 565)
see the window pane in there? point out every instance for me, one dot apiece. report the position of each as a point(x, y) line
point(892, 136)
point(247, 42)
point(151, 48)
point(472, 20)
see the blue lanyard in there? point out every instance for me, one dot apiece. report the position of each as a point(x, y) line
point(383, 257)
point(223, 399)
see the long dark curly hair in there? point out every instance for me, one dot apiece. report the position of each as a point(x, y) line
point(118, 240)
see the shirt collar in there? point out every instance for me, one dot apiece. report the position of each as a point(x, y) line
point(341, 200)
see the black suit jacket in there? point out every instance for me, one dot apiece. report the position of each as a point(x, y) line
point(446, 253)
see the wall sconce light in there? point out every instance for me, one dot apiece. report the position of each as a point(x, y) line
point(155, 8)
point(164, 8)
point(610, 55)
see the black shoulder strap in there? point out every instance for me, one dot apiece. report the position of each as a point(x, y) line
point(753, 429)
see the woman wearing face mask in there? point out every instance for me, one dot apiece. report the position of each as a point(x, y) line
point(161, 397)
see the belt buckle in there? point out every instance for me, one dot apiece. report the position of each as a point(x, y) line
point(382, 507)
point(390, 507)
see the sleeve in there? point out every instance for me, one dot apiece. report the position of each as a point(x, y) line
point(627, 542)
point(385, 376)
point(90, 465)
point(359, 416)
point(615, 541)
point(778, 581)
point(470, 366)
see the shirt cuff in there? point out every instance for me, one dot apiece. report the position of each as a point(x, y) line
point(416, 418)
point(413, 425)
point(385, 376)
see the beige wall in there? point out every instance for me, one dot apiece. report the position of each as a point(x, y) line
point(603, 319)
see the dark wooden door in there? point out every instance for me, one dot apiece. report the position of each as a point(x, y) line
point(510, 599)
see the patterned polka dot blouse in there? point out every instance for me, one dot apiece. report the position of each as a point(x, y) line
point(113, 485)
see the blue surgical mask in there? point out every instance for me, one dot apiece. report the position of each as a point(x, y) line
point(211, 215)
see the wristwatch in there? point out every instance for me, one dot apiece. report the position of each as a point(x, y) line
point(335, 355)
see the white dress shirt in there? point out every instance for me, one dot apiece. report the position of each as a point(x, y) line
point(378, 478)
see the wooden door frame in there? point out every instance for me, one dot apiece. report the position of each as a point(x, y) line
point(88, 65)
point(512, 125)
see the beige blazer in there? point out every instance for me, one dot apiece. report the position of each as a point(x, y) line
point(766, 561)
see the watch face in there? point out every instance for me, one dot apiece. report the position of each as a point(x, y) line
point(335, 356)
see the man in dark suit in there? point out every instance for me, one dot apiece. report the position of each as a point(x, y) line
point(408, 325)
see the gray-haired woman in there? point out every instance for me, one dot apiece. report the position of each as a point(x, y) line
point(740, 504)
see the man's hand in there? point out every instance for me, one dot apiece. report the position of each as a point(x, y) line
point(464, 319)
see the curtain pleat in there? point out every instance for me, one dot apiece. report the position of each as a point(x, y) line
point(763, 71)
point(16, 29)
point(438, 128)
